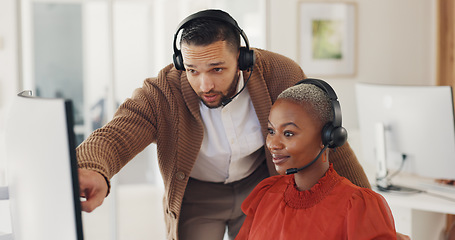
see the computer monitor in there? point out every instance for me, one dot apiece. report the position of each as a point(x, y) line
point(42, 170)
point(417, 123)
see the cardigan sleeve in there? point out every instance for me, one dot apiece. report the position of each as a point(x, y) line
point(109, 148)
point(346, 164)
point(133, 128)
point(279, 72)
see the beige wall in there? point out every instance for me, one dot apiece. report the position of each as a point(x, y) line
point(395, 44)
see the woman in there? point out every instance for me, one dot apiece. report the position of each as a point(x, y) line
point(314, 202)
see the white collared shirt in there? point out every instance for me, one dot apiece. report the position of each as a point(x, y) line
point(232, 140)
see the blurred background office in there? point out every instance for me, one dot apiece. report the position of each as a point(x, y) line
point(96, 52)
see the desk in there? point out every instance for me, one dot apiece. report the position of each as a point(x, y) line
point(419, 215)
point(421, 201)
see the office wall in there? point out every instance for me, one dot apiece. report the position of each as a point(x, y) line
point(395, 44)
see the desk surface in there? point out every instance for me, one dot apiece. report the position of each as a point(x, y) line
point(420, 201)
point(434, 200)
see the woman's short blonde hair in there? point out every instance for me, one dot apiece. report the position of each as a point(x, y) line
point(313, 99)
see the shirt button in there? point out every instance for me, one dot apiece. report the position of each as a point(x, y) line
point(180, 175)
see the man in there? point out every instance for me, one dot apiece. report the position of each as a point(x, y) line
point(209, 130)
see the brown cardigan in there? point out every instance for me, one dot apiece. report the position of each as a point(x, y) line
point(165, 111)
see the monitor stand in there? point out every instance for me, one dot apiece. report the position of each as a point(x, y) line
point(382, 180)
point(397, 189)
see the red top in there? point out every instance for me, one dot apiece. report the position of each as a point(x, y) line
point(333, 208)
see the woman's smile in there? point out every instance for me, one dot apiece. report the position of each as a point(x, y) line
point(279, 159)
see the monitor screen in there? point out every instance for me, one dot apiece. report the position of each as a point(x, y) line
point(418, 123)
point(42, 169)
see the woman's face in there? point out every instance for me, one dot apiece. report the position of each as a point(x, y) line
point(294, 137)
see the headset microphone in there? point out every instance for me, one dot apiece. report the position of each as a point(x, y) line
point(226, 101)
point(295, 170)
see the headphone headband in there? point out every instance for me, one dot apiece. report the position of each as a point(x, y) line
point(336, 108)
point(213, 15)
point(333, 134)
point(246, 58)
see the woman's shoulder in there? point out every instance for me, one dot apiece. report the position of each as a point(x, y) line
point(270, 183)
point(265, 186)
point(362, 196)
point(369, 196)
point(365, 207)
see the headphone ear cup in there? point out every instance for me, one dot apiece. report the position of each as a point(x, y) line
point(339, 136)
point(246, 58)
point(334, 136)
point(326, 134)
point(178, 60)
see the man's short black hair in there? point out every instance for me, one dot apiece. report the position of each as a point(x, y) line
point(202, 32)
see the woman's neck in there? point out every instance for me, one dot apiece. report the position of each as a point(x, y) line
point(308, 177)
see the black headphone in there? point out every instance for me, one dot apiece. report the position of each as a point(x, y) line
point(333, 134)
point(246, 57)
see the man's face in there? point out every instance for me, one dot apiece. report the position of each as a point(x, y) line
point(212, 71)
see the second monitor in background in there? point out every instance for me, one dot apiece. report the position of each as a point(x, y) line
point(417, 125)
